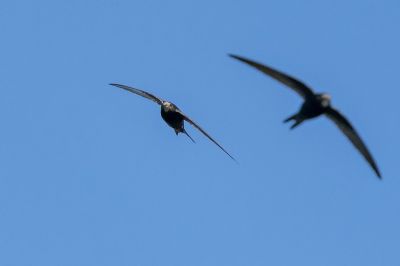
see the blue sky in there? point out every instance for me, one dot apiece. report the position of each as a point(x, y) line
point(91, 175)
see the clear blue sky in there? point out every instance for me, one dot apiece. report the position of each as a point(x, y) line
point(91, 175)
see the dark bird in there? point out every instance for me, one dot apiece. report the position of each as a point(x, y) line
point(315, 104)
point(171, 114)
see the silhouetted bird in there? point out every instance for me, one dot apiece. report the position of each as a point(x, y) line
point(171, 114)
point(315, 104)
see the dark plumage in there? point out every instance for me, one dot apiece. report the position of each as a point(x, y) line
point(171, 114)
point(315, 104)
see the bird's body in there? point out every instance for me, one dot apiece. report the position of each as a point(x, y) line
point(314, 105)
point(172, 115)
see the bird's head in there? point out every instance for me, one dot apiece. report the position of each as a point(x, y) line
point(325, 99)
point(167, 106)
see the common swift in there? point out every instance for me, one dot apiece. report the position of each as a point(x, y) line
point(171, 114)
point(315, 104)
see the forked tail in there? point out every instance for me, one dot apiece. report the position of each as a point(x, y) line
point(297, 120)
point(292, 117)
point(184, 132)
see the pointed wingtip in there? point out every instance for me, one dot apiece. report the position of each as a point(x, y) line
point(241, 59)
point(233, 158)
point(233, 56)
point(376, 170)
point(378, 174)
point(236, 161)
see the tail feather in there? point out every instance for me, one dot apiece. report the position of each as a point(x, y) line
point(297, 120)
point(185, 132)
point(292, 117)
point(297, 123)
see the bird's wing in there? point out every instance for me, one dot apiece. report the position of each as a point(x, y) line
point(351, 133)
point(139, 92)
point(202, 131)
point(298, 86)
